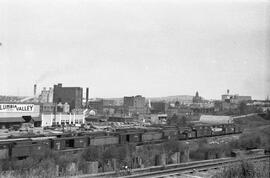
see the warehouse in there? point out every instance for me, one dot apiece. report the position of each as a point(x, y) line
point(12, 114)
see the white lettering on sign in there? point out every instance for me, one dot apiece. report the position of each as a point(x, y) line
point(16, 108)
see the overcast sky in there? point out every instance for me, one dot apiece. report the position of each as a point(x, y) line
point(130, 47)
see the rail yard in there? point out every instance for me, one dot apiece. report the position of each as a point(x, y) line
point(22, 147)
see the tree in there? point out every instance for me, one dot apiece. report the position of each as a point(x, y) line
point(180, 121)
point(243, 107)
point(91, 154)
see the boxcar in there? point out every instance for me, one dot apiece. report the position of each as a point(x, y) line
point(58, 143)
point(19, 151)
point(151, 136)
point(170, 134)
point(182, 136)
point(202, 131)
point(4, 150)
point(190, 134)
point(104, 140)
point(217, 131)
point(81, 142)
point(237, 129)
point(131, 137)
point(228, 129)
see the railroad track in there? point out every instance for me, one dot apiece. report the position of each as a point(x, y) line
point(213, 164)
point(174, 169)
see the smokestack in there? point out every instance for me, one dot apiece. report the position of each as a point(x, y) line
point(228, 91)
point(35, 89)
point(87, 95)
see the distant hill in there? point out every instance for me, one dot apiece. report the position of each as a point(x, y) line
point(180, 98)
point(4, 98)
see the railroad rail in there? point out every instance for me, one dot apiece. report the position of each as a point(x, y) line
point(175, 169)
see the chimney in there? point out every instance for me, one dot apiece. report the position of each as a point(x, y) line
point(87, 95)
point(35, 89)
point(228, 91)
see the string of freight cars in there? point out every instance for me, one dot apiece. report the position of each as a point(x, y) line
point(24, 147)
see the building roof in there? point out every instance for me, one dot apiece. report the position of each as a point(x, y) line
point(11, 119)
point(211, 119)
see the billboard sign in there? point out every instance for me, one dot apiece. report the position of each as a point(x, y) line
point(16, 108)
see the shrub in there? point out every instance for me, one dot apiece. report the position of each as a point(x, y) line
point(243, 170)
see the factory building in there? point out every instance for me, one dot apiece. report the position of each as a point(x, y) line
point(159, 107)
point(179, 111)
point(70, 95)
point(134, 105)
point(17, 113)
point(101, 105)
point(46, 96)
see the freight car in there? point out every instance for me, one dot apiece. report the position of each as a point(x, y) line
point(24, 147)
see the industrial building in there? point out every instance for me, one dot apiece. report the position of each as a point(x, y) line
point(101, 105)
point(234, 98)
point(71, 95)
point(17, 113)
point(46, 96)
point(159, 107)
point(134, 105)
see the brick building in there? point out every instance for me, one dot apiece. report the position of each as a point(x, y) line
point(159, 107)
point(70, 95)
point(134, 105)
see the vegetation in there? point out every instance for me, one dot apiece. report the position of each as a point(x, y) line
point(251, 122)
point(180, 121)
point(245, 170)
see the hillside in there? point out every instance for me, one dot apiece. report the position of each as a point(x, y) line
point(251, 122)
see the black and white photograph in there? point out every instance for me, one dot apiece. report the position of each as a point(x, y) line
point(134, 88)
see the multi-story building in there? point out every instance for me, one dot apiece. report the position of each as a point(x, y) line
point(179, 111)
point(70, 95)
point(101, 105)
point(159, 107)
point(234, 98)
point(46, 96)
point(53, 108)
point(134, 105)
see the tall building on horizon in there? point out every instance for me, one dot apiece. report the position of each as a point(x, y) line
point(71, 95)
point(134, 104)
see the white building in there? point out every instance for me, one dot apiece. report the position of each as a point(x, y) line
point(56, 119)
point(158, 118)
